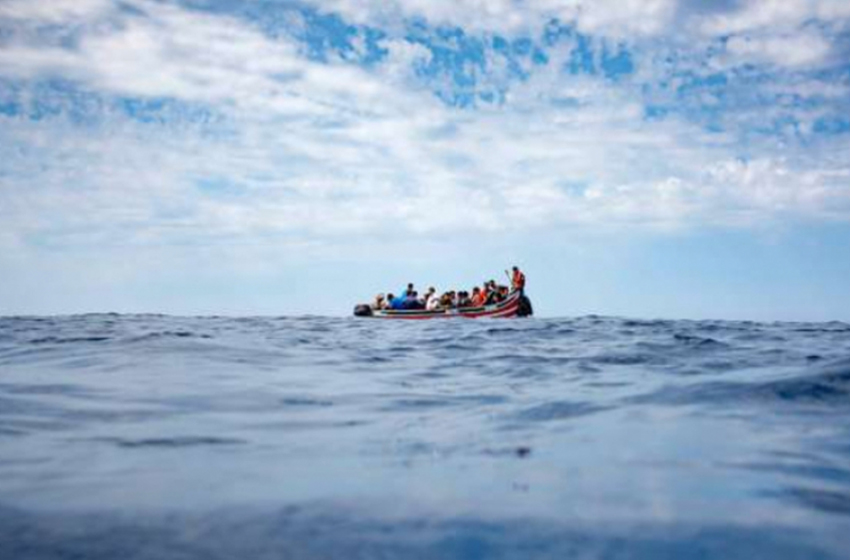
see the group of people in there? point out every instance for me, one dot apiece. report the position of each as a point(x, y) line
point(487, 294)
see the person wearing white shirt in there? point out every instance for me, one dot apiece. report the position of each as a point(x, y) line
point(432, 300)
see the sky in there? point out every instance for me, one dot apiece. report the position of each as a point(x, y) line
point(642, 158)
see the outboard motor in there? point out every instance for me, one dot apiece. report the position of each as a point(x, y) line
point(362, 310)
point(524, 309)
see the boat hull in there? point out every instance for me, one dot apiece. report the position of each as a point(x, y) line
point(515, 305)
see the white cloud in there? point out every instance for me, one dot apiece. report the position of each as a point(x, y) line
point(624, 19)
point(318, 151)
point(796, 34)
point(781, 15)
point(798, 50)
point(809, 88)
point(772, 186)
point(193, 56)
point(608, 17)
point(54, 11)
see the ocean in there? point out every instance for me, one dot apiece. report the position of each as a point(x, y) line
point(158, 437)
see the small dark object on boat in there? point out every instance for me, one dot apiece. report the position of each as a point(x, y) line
point(362, 310)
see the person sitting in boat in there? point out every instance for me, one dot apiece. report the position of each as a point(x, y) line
point(395, 303)
point(432, 303)
point(498, 291)
point(492, 292)
point(431, 299)
point(411, 302)
point(430, 294)
point(479, 297)
point(463, 300)
point(410, 289)
point(379, 303)
point(446, 301)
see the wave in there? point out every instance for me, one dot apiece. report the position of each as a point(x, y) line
point(829, 386)
point(539, 438)
point(174, 442)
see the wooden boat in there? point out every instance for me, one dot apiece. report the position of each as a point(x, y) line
point(515, 305)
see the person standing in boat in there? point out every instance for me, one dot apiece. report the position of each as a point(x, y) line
point(518, 280)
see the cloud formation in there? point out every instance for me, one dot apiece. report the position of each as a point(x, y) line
point(154, 122)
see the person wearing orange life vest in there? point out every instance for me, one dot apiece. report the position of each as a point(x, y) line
point(479, 297)
point(518, 280)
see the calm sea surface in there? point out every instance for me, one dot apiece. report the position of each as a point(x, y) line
point(154, 437)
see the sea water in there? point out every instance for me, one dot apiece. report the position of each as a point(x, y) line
point(156, 437)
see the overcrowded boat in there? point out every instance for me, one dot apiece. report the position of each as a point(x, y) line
point(489, 300)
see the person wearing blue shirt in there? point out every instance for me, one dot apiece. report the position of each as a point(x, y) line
point(412, 301)
point(396, 303)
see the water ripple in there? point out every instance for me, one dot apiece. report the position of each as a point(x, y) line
point(149, 436)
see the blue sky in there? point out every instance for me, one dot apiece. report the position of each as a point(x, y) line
point(653, 158)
